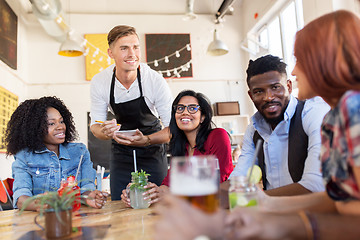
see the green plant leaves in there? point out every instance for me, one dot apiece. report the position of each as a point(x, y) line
point(53, 200)
point(139, 179)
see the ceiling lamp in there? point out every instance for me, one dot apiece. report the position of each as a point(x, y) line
point(189, 13)
point(217, 47)
point(70, 48)
point(49, 13)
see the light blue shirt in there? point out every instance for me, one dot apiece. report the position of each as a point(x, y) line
point(41, 171)
point(276, 146)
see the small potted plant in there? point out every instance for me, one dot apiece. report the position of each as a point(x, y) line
point(138, 181)
point(57, 208)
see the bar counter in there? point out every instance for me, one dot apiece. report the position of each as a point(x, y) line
point(113, 221)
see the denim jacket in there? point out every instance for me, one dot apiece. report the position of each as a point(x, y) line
point(40, 171)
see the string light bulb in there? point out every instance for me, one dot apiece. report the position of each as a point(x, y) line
point(166, 59)
point(177, 54)
point(86, 52)
point(156, 64)
point(59, 19)
point(83, 44)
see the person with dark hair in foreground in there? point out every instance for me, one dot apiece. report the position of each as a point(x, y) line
point(192, 134)
point(327, 52)
point(39, 135)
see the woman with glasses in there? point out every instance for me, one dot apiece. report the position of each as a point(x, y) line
point(192, 134)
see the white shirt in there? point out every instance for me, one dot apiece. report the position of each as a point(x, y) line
point(276, 146)
point(155, 90)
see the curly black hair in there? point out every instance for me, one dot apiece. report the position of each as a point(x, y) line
point(178, 139)
point(265, 64)
point(28, 126)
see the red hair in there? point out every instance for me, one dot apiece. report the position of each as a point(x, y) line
point(327, 50)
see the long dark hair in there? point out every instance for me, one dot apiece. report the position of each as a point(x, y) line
point(28, 125)
point(178, 139)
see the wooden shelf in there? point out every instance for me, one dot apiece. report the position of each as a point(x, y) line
point(235, 125)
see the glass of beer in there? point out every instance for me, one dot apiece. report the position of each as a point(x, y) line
point(196, 179)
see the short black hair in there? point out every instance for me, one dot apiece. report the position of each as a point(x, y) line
point(28, 126)
point(265, 64)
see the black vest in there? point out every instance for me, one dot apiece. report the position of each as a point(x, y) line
point(297, 147)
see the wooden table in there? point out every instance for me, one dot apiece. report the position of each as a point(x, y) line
point(113, 221)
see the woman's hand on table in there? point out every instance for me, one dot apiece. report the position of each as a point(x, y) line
point(248, 223)
point(155, 193)
point(96, 199)
point(125, 198)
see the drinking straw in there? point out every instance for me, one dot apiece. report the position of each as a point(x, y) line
point(77, 171)
point(98, 178)
point(134, 152)
point(102, 172)
point(258, 144)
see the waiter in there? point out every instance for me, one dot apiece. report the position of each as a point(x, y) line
point(138, 96)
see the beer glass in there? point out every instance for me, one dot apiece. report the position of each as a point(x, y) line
point(196, 179)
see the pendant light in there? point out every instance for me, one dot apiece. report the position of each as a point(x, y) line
point(217, 47)
point(189, 13)
point(70, 48)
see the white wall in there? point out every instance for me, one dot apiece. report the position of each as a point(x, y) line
point(42, 72)
point(15, 82)
point(220, 78)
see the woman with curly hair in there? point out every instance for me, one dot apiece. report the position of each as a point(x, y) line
point(192, 134)
point(39, 135)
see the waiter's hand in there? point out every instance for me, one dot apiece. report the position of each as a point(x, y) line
point(139, 139)
point(109, 127)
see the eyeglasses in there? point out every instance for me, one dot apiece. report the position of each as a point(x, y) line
point(192, 108)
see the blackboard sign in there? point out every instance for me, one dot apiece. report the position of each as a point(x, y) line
point(169, 54)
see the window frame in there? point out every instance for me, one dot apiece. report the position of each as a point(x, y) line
point(257, 47)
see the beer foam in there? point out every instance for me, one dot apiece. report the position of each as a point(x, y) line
point(187, 186)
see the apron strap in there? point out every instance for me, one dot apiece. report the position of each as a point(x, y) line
point(112, 93)
point(139, 81)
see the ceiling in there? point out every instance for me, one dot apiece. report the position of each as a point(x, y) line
point(140, 6)
point(158, 7)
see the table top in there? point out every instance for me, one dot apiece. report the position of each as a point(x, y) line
point(113, 221)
